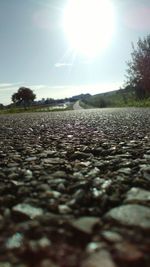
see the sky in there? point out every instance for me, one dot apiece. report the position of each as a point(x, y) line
point(35, 52)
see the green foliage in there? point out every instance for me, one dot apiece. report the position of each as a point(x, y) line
point(138, 73)
point(24, 96)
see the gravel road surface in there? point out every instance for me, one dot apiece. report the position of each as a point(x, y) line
point(75, 189)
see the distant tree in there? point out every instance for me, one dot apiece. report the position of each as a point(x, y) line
point(102, 103)
point(24, 96)
point(138, 73)
point(1, 106)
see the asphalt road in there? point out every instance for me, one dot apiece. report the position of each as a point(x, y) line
point(77, 106)
point(75, 189)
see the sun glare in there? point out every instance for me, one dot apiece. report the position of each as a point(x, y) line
point(89, 25)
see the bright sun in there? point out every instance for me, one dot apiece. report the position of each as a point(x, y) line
point(89, 25)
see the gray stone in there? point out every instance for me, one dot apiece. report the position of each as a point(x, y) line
point(112, 236)
point(5, 264)
point(27, 211)
point(101, 258)
point(15, 241)
point(64, 209)
point(30, 159)
point(95, 246)
point(85, 224)
point(145, 171)
point(48, 263)
point(53, 194)
point(124, 171)
point(131, 215)
point(53, 161)
point(80, 155)
point(128, 252)
point(96, 193)
point(137, 195)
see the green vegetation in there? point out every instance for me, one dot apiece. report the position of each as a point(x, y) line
point(138, 73)
point(120, 98)
point(35, 109)
point(85, 104)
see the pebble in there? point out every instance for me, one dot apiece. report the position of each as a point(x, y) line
point(15, 241)
point(53, 161)
point(125, 171)
point(135, 195)
point(101, 258)
point(86, 224)
point(5, 264)
point(27, 211)
point(48, 263)
point(131, 215)
point(30, 159)
point(54, 194)
point(64, 209)
point(111, 236)
point(128, 252)
point(145, 171)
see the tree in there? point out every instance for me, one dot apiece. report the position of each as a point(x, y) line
point(138, 73)
point(24, 96)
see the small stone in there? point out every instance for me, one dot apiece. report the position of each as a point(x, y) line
point(93, 173)
point(15, 241)
point(54, 194)
point(97, 181)
point(29, 173)
point(12, 176)
point(111, 236)
point(124, 171)
point(137, 195)
point(56, 181)
point(30, 159)
point(128, 252)
point(48, 263)
point(86, 224)
point(147, 156)
point(96, 193)
point(13, 164)
point(106, 184)
point(80, 155)
point(131, 215)
point(145, 171)
point(59, 174)
point(53, 161)
point(42, 243)
point(27, 211)
point(64, 209)
point(61, 187)
point(98, 259)
point(94, 246)
point(5, 264)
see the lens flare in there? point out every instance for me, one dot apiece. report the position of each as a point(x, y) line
point(89, 25)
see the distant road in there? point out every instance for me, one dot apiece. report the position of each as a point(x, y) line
point(77, 106)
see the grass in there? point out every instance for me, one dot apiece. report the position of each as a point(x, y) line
point(119, 98)
point(14, 110)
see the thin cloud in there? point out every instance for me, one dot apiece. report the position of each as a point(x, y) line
point(9, 86)
point(60, 65)
point(6, 85)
